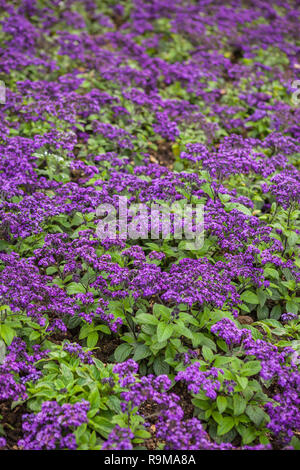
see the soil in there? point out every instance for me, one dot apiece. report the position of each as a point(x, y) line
point(152, 442)
point(106, 349)
point(59, 336)
point(150, 412)
point(180, 389)
point(106, 346)
point(12, 424)
point(164, 155)
point(245, 320)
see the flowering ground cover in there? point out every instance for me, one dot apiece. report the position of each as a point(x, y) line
point(144, 342)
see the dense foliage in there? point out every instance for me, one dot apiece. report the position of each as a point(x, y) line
point(146, 344)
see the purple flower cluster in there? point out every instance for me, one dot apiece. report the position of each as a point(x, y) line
point(287, 317)
point(171, 426)
point(53, 427)
point(2, 442)
point(77, 351)
point(285, 187)
point(18, 368)
point(227, 330)
point(278, 367)
point(199, 380)
point(119, 439)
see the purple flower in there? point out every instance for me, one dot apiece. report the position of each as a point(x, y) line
point(2, 442)
point(227, 330)
point(287, 317)
point(52, 428)
point(119, 439)
point(77, 350)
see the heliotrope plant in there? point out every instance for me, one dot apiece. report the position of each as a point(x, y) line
point(119, 343)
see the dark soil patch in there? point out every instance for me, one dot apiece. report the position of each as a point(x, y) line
point(245, 319)
point(152, 442)
point(185, 402)
point(77, 175)
point(118, 20)
point(12, 424)
point(236, 55)
point(150, 412)
point(164, 155)
point(59, 336)
point(106, 349)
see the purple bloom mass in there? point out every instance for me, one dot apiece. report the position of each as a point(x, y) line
point(52, 428)
point(227, 330)
point(2, 442)
point(126, 322)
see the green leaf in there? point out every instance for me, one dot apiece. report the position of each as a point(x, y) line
point(75, 288)
point(104, 329)
point(240, 207)
point(84, 331)
point(256, 414)
point(207, 354)
point(34, 335)
point(2, 351)
point(66, 372)
point(92, 339)
point(255, 333)
point(94, 398)
point(221, 403)
point(113, 403)
point(264, 440)
point(102, 425)
point(292, 307)
point(239, 405)
point(141, 352)
point(122, 352)
point(262, 296)
point(272, 273)
point(147, 319)
point(293, 239)
point(202, 404)
point(262, 312)
point(160, 366)
point(184, 331)
point(73, 322)
point(142, 433)
point(216, 415)
point(200, 339)
point(250, 368)
point(164, 331)
point(295, 443)
point(7, 333)
point(248, 434)
point(275, 312)
point(249, 297)
point(51, 270)
point(221, 361)
point(162, 310)
point(242, 381)
point(225, 426)
point(207, 189)
point(245, 308)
